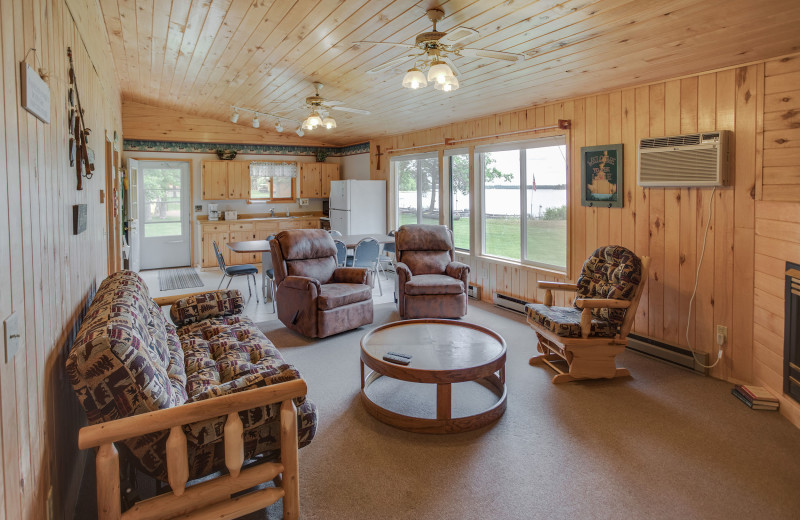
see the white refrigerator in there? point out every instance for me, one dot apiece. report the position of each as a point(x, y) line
point(358, 207)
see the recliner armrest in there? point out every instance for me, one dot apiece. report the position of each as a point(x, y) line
point(350, 275)
point(403, 272)
point(459, 271)
point(301, 283)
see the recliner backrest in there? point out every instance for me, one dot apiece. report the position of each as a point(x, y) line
point(424, 248)
point(612, 272)
point(303, 252)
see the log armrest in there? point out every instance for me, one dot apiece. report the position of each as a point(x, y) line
point(300, 283)
point(601, 303)
point(458, 271)
point(163, 301)
point(350, 275)
point(555, 286)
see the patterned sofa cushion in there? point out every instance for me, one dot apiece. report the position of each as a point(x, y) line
point(612, 272)
point(209, 305)
point(127, 360)
point(566, 321)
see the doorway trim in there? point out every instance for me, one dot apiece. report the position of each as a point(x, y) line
point(113, 222)
point(191, 197)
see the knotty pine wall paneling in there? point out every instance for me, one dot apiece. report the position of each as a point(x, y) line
point(777, 222)
point(47, 274)
point(666, 224)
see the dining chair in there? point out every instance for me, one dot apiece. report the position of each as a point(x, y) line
point(366, 255)
point(385, 258)
point(245, 270)
point(334, 233)
point(341, 253)
point(270, 271)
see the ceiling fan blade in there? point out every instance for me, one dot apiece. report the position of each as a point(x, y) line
point(492, 55)
point(391, 63)
point(331, 102)
point(407, 45)
point(452, 65)
point(459, 35)
point(353, 110)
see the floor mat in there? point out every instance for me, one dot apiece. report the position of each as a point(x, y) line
point(180, 278)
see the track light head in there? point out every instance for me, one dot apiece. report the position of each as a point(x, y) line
point(235, 115)
point(256, 122)
point(278, 127)
point(300, 132)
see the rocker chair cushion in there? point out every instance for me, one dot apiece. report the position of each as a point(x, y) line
point(566, 321)
point(612, 272)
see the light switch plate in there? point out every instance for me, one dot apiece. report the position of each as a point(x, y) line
point(11, 335)
point(303, 202)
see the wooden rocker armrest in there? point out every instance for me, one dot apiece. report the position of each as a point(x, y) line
point(601, 303)
point(164, 301)
point(159, 420)
point(558, 286)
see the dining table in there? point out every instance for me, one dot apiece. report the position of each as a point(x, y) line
point(350, 241)
point(255, 246)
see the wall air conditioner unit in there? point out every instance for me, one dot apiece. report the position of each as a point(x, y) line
point(693, 160)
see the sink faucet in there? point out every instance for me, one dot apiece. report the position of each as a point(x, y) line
point(271, 212)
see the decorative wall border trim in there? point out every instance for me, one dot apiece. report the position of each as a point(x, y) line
point(137, 145)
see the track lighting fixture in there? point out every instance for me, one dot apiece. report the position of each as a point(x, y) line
point(300, 132)
point(278, 127)
point(235, 115)
point(256, 122)
point(235, 112)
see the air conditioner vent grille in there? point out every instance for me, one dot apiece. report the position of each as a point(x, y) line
point(675, 140)
point(695, 166)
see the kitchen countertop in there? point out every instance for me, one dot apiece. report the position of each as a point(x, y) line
point(203, 219)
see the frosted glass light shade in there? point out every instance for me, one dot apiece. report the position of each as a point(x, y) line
point(414, 79)
point(439, 71)
point(329, 123)
point(312, 121)
point(449, 84)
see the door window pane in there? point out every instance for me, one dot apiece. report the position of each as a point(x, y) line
point(502, 224)
point(459, 200)
point(417, 190)
point(162, 197)
point(546, 170)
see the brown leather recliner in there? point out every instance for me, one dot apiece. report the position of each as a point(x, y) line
point(430, 284)
point(316, 298)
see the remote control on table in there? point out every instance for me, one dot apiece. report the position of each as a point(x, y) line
point(398, 354)
point(396, 359)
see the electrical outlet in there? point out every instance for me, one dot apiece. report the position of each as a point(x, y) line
point(722, 334)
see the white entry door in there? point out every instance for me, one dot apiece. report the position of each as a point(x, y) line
point(133, 214)
point(164, 209)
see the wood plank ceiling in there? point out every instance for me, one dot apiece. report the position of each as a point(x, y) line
point(201, 56)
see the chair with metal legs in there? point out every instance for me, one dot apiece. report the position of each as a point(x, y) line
point(366, 255)
point(385, 258)
point(236, 270)
point(341, 253)
point(270, 271)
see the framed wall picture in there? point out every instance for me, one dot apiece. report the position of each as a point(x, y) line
point(601, 176)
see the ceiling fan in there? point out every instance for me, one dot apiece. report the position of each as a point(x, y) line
point(434, 51)
point(319, 114)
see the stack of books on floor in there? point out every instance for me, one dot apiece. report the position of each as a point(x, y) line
point(756, 397)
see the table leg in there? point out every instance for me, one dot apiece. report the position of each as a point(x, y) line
point(264, 273)
point(443, 400)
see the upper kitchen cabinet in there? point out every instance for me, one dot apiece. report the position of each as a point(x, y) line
point(315, 179)
point(226, 180)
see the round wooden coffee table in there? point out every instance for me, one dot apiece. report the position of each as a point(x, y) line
point(443, 352)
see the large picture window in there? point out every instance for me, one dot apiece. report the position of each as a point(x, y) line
point(272, 181)
point(417, 188)
point(457, 163)
point(524, 201)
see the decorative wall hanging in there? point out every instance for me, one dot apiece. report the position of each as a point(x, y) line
point(602, 176)
point(78, 148)
point(35, 93)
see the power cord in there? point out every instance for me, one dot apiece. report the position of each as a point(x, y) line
point(694, 292)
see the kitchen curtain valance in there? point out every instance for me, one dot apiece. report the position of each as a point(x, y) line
point(273, 169)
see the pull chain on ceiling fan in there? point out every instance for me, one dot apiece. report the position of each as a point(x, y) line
point(434, 51)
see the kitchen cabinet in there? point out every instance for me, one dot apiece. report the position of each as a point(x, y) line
point(244, 229)
point(225, 180)
point(315, 179)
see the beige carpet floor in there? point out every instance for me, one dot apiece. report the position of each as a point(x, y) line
point(665, 443)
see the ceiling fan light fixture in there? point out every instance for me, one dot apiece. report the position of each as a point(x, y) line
point(256, 122)
point(235, 115)
point(329, 123)
point(450, 84)
point(439, 71)
point(312, 121)
point(414, 79)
